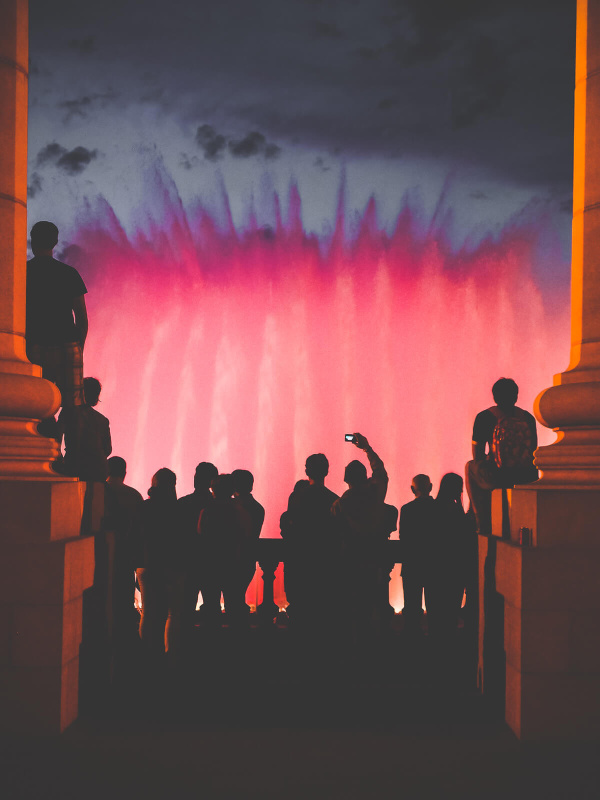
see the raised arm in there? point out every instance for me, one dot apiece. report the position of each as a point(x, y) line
point(379, 476)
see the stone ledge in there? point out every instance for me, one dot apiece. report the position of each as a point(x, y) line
point(37, 511)
point(552, 706)
point(548, 579)
point(556, 516)
point(46, 574)
point(41, 699)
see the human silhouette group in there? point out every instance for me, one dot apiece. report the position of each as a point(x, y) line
point(205, 543)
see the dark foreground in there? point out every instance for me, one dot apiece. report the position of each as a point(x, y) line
point(269, 713)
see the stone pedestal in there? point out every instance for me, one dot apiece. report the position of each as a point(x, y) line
point(540, 639)
point(45, 567)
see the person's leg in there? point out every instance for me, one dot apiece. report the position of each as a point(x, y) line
point(479, 488)
point(412, 584)
point(154, 612)
point(69, 379)
point(175, 597)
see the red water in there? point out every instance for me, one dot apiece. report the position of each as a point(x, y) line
point(255, 349)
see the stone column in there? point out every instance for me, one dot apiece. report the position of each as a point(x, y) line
point(572, 406)
point(550, 638)
point(45, 564)
point(24, 397)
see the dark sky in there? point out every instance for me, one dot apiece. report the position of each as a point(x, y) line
point(482, 90)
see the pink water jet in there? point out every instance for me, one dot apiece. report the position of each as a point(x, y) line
point(254, 349)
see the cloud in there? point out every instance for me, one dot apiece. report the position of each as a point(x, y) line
point(210, 142)
point(50, 153)
point(76, 160)
point(188, 162)
point(319, 162)
point(70, 161)
point(35, 186)
point(213, 144)
point(253, 144)
point(81, 106)
point(285, 72)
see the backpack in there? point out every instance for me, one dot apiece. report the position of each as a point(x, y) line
point(512, 444)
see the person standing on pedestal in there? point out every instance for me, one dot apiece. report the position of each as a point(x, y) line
point(56, 322)
point(510, 436)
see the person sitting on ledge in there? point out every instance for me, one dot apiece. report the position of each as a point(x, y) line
point(509, 433)
point(87, 439)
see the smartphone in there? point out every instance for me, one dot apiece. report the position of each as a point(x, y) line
point(350, 438)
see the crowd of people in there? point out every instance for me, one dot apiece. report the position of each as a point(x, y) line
point(206, 542)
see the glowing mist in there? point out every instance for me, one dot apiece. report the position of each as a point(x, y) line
point(255, 349)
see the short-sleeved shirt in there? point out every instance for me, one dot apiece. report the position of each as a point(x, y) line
point(51, 289)
point(485, 422)
point(483, 432)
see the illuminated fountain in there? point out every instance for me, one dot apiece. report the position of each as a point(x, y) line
point(255, 348)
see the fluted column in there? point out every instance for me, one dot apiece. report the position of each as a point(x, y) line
point(572, 405)
point(24, 396)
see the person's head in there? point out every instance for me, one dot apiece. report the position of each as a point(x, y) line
point(205, 472)
point(421, 485)
point(242, 480)
point(222, 487)
point(44, 237)
point(317, 467)
point(117, 468)
point(505, 392)
point(355, 474)
point(451, 488)
point(91, 391)
point(163, 485)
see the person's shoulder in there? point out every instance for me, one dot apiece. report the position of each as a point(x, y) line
point(485, 414)
point(186, 499)
point(132, 493)
point(528, 416)
point(256, 505)
point(408, 506)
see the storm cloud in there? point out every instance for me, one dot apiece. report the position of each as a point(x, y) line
point(72, 162)
point(214, 145)
point(483, 84)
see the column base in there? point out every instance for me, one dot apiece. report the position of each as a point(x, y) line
point(45, 566)
point(543, 637)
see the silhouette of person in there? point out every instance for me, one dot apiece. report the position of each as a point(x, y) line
point(389, 523)
point(310, 542)
point(121, 505)
point(418, 520)
point(509, 433)
point(222, 529)
point(56, 321)
point(188, 513)
point(447, 560)
point(359, 513)
point(253, 514)
point(159, 561)
point(87, 458)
